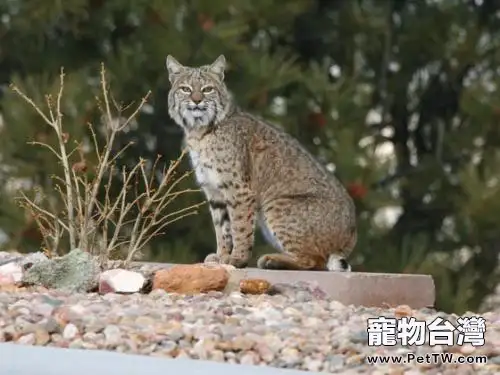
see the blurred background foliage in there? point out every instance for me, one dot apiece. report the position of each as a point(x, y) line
point(398, 98)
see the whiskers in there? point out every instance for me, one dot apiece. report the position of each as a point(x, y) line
point(198, 115)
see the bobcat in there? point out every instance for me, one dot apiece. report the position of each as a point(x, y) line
point(252, 172)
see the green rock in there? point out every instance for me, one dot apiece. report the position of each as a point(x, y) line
point(75, 272)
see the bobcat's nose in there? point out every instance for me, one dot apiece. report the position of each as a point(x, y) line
point(196, 97)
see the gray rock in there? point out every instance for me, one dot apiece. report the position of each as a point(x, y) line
point(75, 272)
point(334, 362)
point(168, 345)
point(52, 325)
point(359, 337)
point(300, 290)
point(43, 309)
point(32, 259)
point(495, 360)
point(52, 301)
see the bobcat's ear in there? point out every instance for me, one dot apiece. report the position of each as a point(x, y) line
point(174, 68)
point(218, 66)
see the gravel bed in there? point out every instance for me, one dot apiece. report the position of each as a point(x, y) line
point(288, 332)
point(303, 330)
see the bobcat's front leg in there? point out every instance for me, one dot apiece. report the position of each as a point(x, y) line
point(222, 227)
point(242, 209)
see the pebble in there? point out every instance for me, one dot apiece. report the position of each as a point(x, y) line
point(168, 346)
point(290, 356)
point(28, 339)
point(302, 330)
point(249, 358)
point(112, 335)
point(42, 337)
point(336, 305)
point(313, 364)
point(467, 349)
point(70, 332)
point(217, 355)
point(495, 360)
point(335, 362)
point(52, 325)
point(359, 337)
point(265, 352)
point(202, 348)
point(43, 309)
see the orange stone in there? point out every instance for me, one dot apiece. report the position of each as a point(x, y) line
point(254, 286)
point(403, 310)
point(191, 278)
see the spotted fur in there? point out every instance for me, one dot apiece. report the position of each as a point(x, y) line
point(254, 173)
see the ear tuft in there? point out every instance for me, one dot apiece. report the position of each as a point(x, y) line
point(173, 67)
point(219, 66)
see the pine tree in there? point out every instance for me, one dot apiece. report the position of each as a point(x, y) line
point(352, 80)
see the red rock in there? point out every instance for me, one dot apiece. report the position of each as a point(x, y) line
point(191, 278)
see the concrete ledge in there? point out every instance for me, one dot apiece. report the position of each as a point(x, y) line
point(354, 288)
point(63, 361)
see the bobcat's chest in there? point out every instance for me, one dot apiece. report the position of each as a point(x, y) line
point(205, 172)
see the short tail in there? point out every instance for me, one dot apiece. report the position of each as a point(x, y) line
point(338, 263)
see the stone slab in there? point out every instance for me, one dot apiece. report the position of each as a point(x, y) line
point(355, 288)
point(17, 359)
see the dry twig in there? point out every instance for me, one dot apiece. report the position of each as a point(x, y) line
point(124, 221)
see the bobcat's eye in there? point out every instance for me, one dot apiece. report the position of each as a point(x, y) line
point(207, 89)
point(185, 89)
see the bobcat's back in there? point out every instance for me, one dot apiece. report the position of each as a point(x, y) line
point(294, 190)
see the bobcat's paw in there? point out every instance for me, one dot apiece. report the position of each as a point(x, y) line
point(265, 262)
point(212, 258)
point(238, 262)
point(215, 258)
point(276, 262)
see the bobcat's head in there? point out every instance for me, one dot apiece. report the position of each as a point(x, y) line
point(198, 96)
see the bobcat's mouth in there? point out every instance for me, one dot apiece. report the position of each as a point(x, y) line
point(197, 110)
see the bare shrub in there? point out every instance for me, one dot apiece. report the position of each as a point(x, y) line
point(103, 223)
